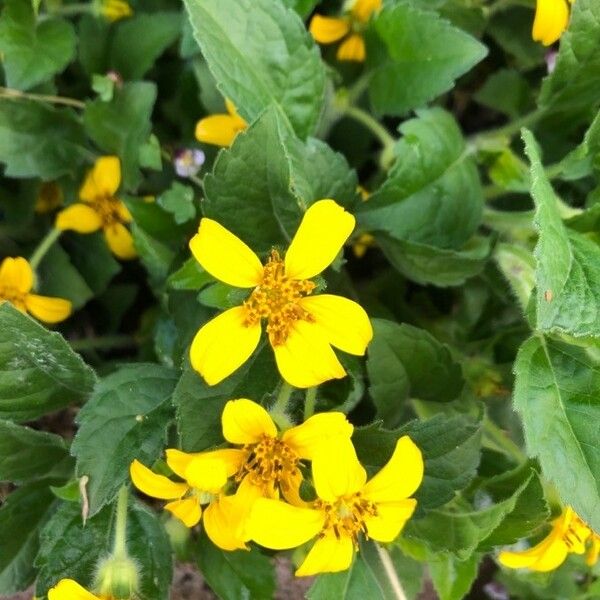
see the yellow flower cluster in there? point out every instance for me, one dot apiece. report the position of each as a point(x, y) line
point(349, 28)
point(301, 326)
point(569, 535)
point(252, 491)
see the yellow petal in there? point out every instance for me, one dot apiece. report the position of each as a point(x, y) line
point(223, 345)
point(400, 477)
point(67, 589)
point(16, 273)
point(225, 256)
point(551, 19)
point(593, 552)
point(188, 511)
point(219, 130)
point(390, 520)
point(346, 324)
point(120, 241)
point(48, 309)
point(103, 180)
point(154, 485)
point(352, 49)
point(322, 233)
point(305, 439)
point(328, 555)
point(78, 217)
point(241, 504)
point(123, 211)
point(327, 30)
point(290, 484)
point(363, 9)
point(222, 524)
point(277, 525)
point(179, 461)
point(234, 113)
point(306, 359)
point(246, 422)
point(114, 10)
point(336, 470)
point(206, 473)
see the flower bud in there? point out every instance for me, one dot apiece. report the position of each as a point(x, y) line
point(117, 578)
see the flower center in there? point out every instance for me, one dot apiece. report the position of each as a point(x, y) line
point(269, 463)
point(346, 517)
point(277, 300)
point(576, 534)
point(14, 296)
point(108, 209)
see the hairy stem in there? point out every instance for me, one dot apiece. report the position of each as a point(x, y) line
point(18, 95)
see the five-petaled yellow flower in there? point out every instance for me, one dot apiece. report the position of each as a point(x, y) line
point(569, 535)
point(67, 589)
point(551, 20)
point(301, 328)
point(115, 10)
point(347, 505)
point(350, 27)
point(102, 209)
point(205, 476)
point(268, 462)
point(220, 130)
point(16, 282)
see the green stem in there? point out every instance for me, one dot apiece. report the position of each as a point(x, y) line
point(73, 9)
point(120, 542)
point(310, 401)
point(373, 125)
point(17, 94)
point(278, 410)
point(43, 247)
point(105, 342)
point(390, 572)
point(498, 440)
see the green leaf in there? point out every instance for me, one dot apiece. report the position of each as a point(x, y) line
point(191, 276)
point(556, 395)
point(122, 125)
point(39, 373)
point(450, 447)
point(37, 140)
point(506, 91)
point(302, 7)
point(425, 55)
point(235, 575)
point(154, 255)
point(140, 40)
point(464, 528)
point(21, 516)
point(433, 194)
point(518, 266)
point(126, 418)
point(568, 263)
point(259, 188)
point(199, 406)
point(27, 454)
point(453, 578)
point(277, 64)
point(72, 549)
point(404, 362)
point(179, 201)
point(575, 82)
point(438, 266)
point(33, 52)
point(58, 277)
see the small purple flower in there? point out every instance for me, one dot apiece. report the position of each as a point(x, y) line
point(188, 161)
point(550, 59)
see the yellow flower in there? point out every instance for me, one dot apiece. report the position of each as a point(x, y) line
point(365, 240)
point(268, 462)
point(327, 30)
point(347, 505)
point(551, 20)
point(67, 589)
point(220, 130)
point(205, 475)
point(301, 328)
point(114, 10)
point(16, 283)
point(49, 197)
point(569, 535)
point(102, 210)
